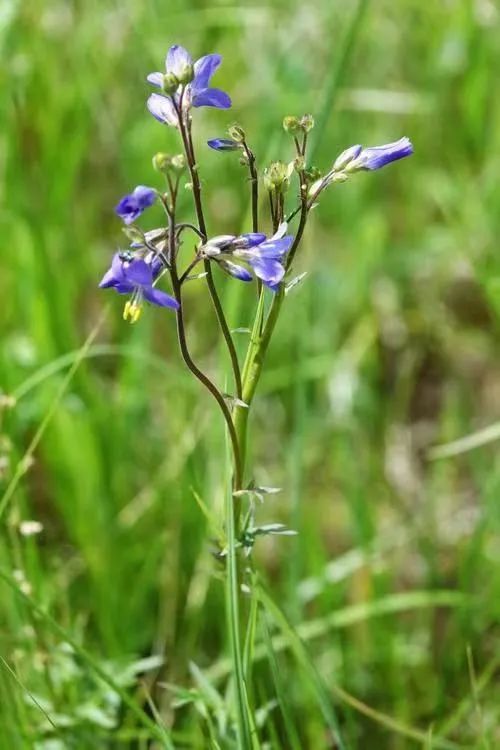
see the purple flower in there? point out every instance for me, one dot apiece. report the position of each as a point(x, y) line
point(264, 256)
point(224, 144)
point(197, 92)
point(135, 276)
point(132, 206)
point(378, 156)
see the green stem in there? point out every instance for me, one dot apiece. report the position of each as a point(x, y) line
point(243, 723)
point(259, 343)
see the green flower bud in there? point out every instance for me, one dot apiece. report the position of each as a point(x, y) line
point(307, 123)
point(237, 133)
point(186, 75)
point(312, 174)
point(170, 83)
point(277, 175)
point(291, 125)
point(299, 164)
point(178, 163)
point(339, 177)
point(161, 162)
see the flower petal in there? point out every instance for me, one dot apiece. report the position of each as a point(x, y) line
point(108, 280)
point(211, 98)
point(177, 60)
point(114, 275)
point(347, 156)
point(156, 79)
point(163, 109)
point(267, 269)
point(250, 239)
point(162, 299)
point(274, 249)
point(139, 273)
point(280, 232)
point(204, 68)
point(239, 272)
point(223, 144)
point(378, 156)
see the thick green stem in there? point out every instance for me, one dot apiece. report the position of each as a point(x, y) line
point(259, 343)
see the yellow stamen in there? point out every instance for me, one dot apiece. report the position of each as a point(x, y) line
point(132, 311)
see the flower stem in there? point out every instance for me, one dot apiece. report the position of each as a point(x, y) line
point(259, 343)
point(185, 131)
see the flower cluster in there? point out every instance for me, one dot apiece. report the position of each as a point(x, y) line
point(186, 84)
point(264, 255)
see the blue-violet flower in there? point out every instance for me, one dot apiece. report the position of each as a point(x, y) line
point(264, 255)
point(376, 157)
point(196, 92)
point(223, 144)
point(132, 206)
point(135, 275)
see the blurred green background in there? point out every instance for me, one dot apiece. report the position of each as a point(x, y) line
point(388, 348)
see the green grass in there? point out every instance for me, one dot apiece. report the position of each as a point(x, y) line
point(389, 597)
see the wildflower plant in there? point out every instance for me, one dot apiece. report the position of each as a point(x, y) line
point(264, 256)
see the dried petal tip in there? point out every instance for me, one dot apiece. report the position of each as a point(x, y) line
point(378, 156)
point(237, 133)
point(223, 144)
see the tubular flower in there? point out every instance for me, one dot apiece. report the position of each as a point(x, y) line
point(378, 156)
point(186, 83)
point(223, 144)
point(264, 255)
point(132, 206)
point(133, 275)
point(356, 158)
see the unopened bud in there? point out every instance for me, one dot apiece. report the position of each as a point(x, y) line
point(186, 75)
point(161, 162)
point(346, 157)
point(170, 83)
point(178, 163)
point(299, 164)
point(307, 123)
point(315, 187)
point(312, 174)
point(277, 175)
point(237, 133)
point(291, 125)
point(338, 177)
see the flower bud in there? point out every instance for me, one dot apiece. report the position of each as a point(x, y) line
point(277, 175)
point(186, 75)
point(178, 163)
point(161, 162)
point(299, 164)
point(315, 187)
point(346, 157)
point(312, 174)
point(306, 123)
point(291, 125)
point(338, 177)
point(170, 83)
point(237, 133)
